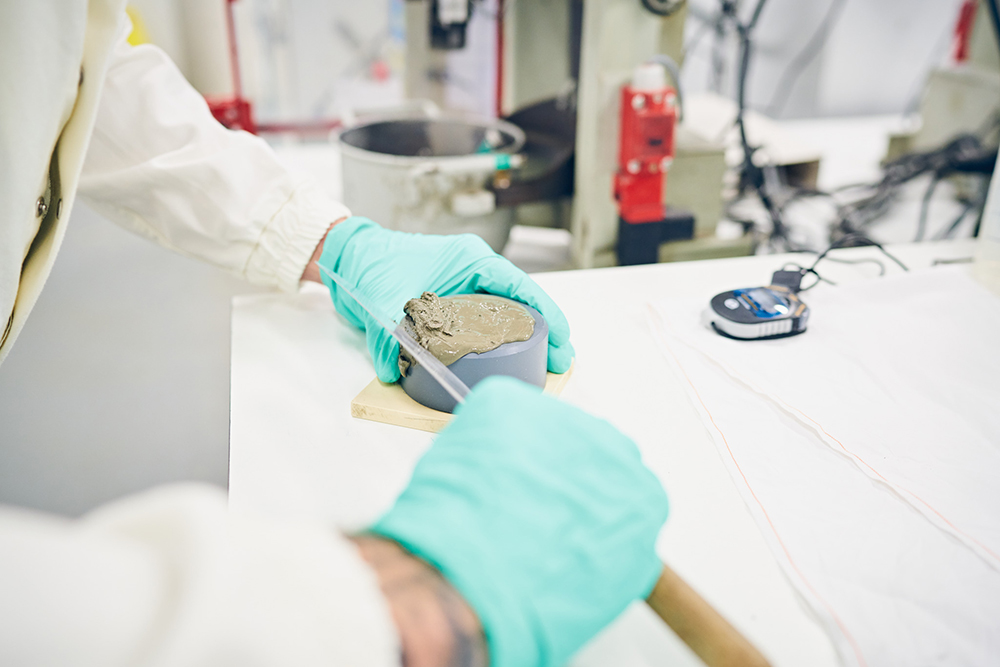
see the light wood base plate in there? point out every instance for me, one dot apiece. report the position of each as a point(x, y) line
point(389, 404)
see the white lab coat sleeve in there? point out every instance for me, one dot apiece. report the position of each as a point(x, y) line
point(172, 578)
point(160, 165)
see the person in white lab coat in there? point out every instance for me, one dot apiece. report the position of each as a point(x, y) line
point(170, 577)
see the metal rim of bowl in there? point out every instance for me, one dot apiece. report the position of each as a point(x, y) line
point(387, 158)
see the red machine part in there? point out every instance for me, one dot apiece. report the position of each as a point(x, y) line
point(233, 112)
point(645, 151)
point(963, 31)
point(236, 112)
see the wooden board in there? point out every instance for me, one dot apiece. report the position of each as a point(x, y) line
point(389, 404)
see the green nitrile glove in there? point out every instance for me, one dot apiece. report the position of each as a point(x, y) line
point(543, 517)
point(390, 268)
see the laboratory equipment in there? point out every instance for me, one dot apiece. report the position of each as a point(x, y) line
point(650, 111)
point(562, 67)
point(757, 313)
point(432, 174)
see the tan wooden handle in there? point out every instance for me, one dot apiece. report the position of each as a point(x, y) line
point(699, 626)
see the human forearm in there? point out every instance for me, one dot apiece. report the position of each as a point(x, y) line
point(311, 272)
point(159, 164)
point(437, 627)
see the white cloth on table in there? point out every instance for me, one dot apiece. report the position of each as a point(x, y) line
point(868, 451)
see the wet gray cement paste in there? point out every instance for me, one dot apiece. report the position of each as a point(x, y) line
point(450, 327)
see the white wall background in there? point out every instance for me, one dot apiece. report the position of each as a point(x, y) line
point(120, 379)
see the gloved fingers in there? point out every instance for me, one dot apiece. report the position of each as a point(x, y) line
point(348, 307)
point(543, 517)
point(457, 263)
point(560, 357)
point(503, 278)
point(343, 303)
point(384, 351)
point(402, 266)
point(338, 238)
point(560, 349)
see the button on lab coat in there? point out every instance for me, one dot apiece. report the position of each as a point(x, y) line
point(169, 578)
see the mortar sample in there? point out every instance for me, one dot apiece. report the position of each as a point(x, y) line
point(453, 326)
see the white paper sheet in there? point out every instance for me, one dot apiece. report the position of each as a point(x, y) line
point(868, 450)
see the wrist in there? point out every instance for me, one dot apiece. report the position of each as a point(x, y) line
point(311, 272)
point(436, 625)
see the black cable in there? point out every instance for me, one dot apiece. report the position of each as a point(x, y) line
point(753, 176)
point(925, 206)
point(805, 193)
point(964, 152)
point(801, 61)
point(982, 207)
point(756, 15)
point(958, 154)
point(857, 241)
point(712, 23)
point(718, 43)
point(954, 225)
point(841, 260)
point(852, 240)
point(869, 201)
point(865, 260)
point(976, 203)
point(819, 279)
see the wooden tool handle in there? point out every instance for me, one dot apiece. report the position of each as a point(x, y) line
point(702, 628)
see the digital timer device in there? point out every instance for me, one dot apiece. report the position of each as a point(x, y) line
point(757, 313)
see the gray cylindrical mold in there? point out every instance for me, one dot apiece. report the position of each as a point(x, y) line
point(525, 360)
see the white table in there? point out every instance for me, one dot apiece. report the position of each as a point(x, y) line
point(295, 450)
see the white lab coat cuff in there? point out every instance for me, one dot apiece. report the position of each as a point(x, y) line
point(301, 216)
point(233, 588)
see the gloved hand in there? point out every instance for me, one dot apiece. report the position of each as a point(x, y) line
point(543, 517)
point(390, 268)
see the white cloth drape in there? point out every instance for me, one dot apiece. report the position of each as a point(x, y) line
point(868, 450)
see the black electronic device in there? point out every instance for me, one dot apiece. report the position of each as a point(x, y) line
point(757, 313)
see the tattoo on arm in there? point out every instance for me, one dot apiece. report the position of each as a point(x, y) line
point(437, 627)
